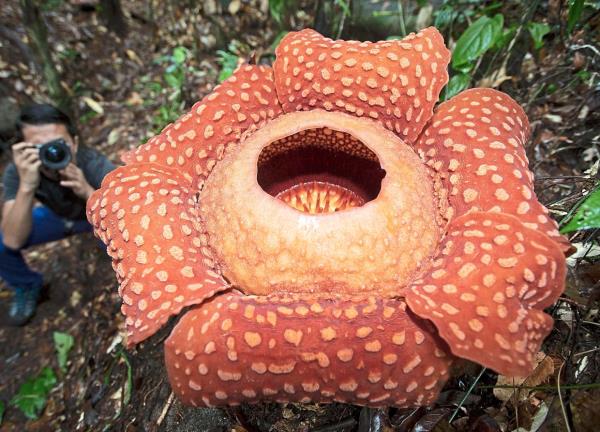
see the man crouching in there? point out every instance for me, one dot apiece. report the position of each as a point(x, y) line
point(51, 168)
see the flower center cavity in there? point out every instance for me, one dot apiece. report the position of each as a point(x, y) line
point(320, 170)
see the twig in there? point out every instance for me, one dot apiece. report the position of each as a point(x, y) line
point(548, 387)
point(342, 22)
point(165, 409)
point(573, 209)
point(346, 423)
point(588, 46)
point(152, 390)
point(579, 354)
point(401, 13)
point(591, 323)
point(469, 391)
point(565, 177)
point(562, 404)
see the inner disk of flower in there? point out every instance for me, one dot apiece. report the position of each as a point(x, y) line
point(320, 171)
point(320, 202)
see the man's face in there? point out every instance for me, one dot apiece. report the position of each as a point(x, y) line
point(40, 134)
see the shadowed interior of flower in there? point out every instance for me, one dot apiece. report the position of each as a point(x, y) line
point(320, 171)
point(337, 238)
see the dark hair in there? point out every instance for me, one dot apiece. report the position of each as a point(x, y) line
point(40, 114)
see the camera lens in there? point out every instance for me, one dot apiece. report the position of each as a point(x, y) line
point(55, 153)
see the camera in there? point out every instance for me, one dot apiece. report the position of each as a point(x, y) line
point(55, 154)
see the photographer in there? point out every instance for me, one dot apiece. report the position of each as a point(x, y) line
point(48, 166)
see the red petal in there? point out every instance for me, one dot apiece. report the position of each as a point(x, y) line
point(476, 142)
point(486, 290)
point(145, 214)
point(197, 140)
point(395, 82)
point(244, 349)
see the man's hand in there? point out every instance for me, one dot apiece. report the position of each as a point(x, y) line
point(74, 179)
point(27, 161)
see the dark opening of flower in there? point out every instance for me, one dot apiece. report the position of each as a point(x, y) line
point(320, 170)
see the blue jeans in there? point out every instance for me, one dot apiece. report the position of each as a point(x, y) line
point(46, 227)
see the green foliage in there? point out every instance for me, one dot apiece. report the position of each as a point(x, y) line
point(32, 395)
point(457, 83)
point(343, 4)
point(229, 62)
point(587, 215)
point(68, 54)
point(63, 342)
point(174, 74)
point(280, 9)
point(87, 116)
point(50, 5)
point(2, 409)
point(575, 11)
point(445, 16)
point(276, 9)
point(584, 75)
point(507, 35)
point(174, 77)
point(550, 88)
point(129, 383)
point(538, 31)
point(476, 40)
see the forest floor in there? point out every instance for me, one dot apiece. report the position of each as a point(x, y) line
point(105, 387)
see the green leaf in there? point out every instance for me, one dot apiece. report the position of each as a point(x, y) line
point(477, 39)
point(179, 55)
point(32, 395)
point(172, 80)
point(275, 43)
point(498, 23)
point(155, 87)
point(276, 8)
point(2, 409)
point(228, 62)
point(550, 88)
point(444, 16)
point(587, 215)
point(63, 342)
point(583, 75)
point(129, 382)
point(538, 31)
point(457, 83)
point(575, 10)
point(505, 37)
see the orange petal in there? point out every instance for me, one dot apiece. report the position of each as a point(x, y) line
point(476, 142)
point(486, 290)
point(395, 82)
point(197, 140)
point(145, 214)
point(245, 349)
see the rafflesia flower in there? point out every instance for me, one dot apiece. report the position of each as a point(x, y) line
point(336, 239)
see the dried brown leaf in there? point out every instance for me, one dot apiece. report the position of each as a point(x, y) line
point(543, 370)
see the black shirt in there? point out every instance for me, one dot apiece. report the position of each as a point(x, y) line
point(59, 199)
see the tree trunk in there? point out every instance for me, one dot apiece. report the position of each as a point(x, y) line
point(38, 40)
point(113, 16)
